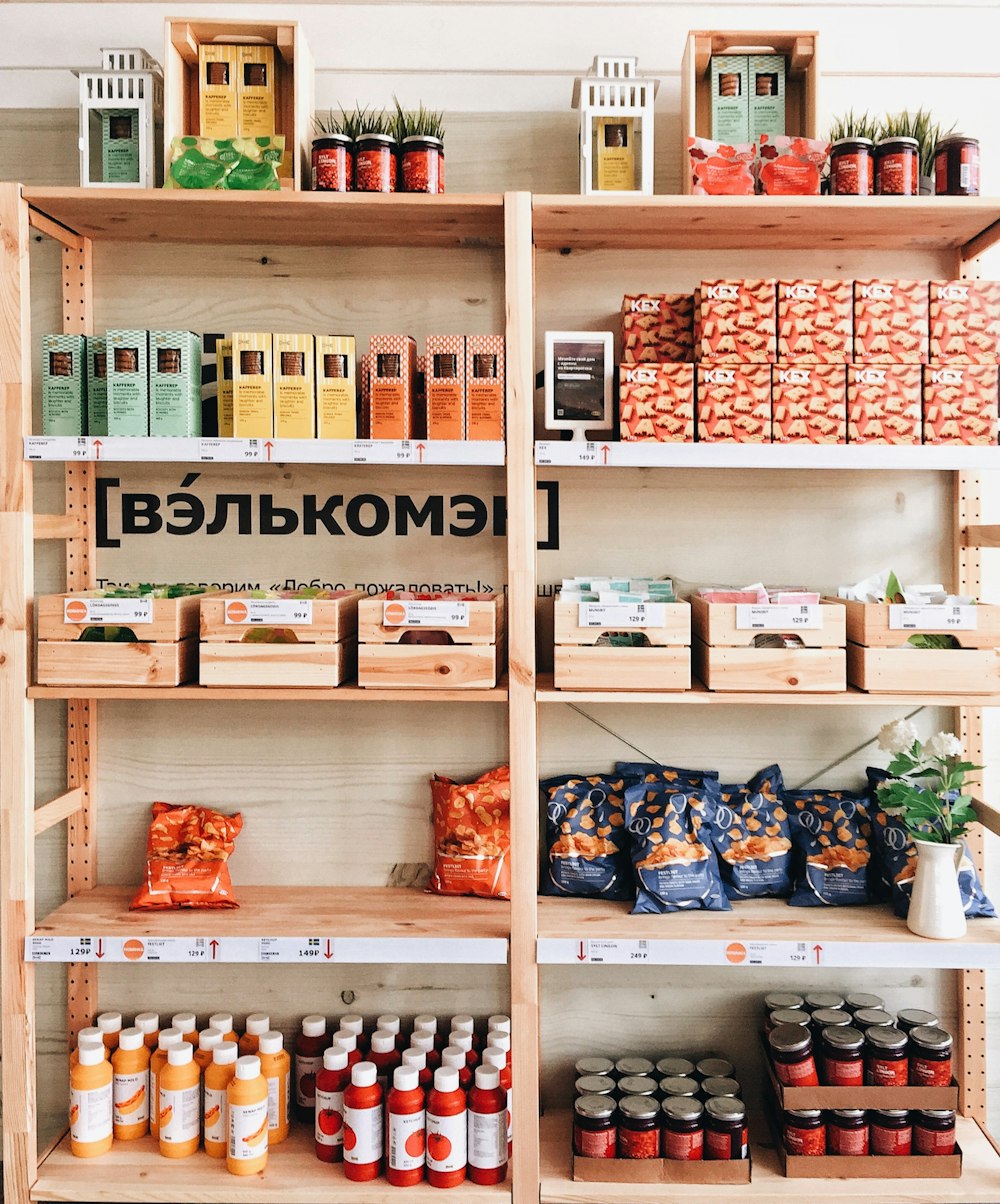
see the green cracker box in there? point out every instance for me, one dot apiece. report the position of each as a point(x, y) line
point(97, 384)
point(730, 98)
point(174, 383)
point(64, 384)
point(767, 95)
point(128, 382)
point(120, 146)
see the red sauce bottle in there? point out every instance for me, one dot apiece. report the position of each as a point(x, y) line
point(331, 1082)
point(424, 1040)
point(447, 1130)
point(464, 1041)
point(465, 1024)
point(309, 1046)
point(350, 1043)
point(355, 1024)
point(385, 1056)
point(498, 1058)
point(455, 1059)
point(487, 1128)
point(364, 1125)
point(407, 1137)
point(497, 1039)
point(390, 1024)
point(428, 1024)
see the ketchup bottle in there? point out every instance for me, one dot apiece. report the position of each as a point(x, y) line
point(390, 1024)
point(355, 1024)
point(424, 1039)
point(465, 1024)
point(447, 1130)
point(499, 1040)
point(309, 1046)
point(463, 1041)
point(498, 1023)
point(487, 1128)
point(364, 1126)
point(498, 1059)
point(418, 1060)
point(407, 1124)
point(350, 1043)
point(331, 1083)
point(429, 1024)
point(385, 1056)
point(455, 1059)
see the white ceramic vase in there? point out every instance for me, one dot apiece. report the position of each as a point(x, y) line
point(936, 909)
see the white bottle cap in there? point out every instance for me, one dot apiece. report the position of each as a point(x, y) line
point(383, 1042)
point(352, 1023)
point(388, 1024)
point(425, 1024)
point(248, 1067)
point(147, 1022)
point(110, 1022)
point(495, 1057)
point(170, 1038)
point(345, 1038)
point(187, 1022)
point(499, 1024)
point(270, 1043)
point(423, 1039)
point(257, 1023)
point(210, 1038)
point(131, 1038)
point(499, 1040)
point(314, 1026)
point(406, 1078)
point(180, 1055)
point(92, 1031)
point(92, 1043)
point(455, 1058)
point(91, 1055)
point(445, 1079)
point(364, 1074)
point(417, 1058)
point(226, 1053)
point(460, 1040)
point(223, 1021)
point(335, 1058)
point(487, 1077)
point(463, 1024)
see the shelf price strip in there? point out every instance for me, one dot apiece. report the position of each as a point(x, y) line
point(932, 618)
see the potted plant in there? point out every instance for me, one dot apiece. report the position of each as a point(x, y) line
point(332, 152)
point(927, 793)
point(921, 126)
point(852, 154)
point(373, 132)
point(420, 133)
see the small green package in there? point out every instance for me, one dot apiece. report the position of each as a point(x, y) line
point(241, 164)
point(128, 382)
point(97, 384)
point(174, 383)
point(64, 385)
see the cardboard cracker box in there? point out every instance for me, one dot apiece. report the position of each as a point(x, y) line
point(891, 321)
point(657, 328)
point(253, 386)
point(174, 383)
point(294, 386)
point(883, 403)
point(815, 321)
point(444, 386)
point(365, 404)
point(224, 353)
point(218, 92)
point(128, 382)
point(965, 321)
point(766, 89)
point(255, 90)
point(485, 387)
point(97, 384)
point(730, 98)
point(336, 387)
point(960, 403)
point(64, 384)
point(656, 403)
point(393, 372)
point(739, 321)
point(734, 403)
point(809, 403)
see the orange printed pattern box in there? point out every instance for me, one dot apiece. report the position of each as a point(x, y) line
point(738, 321)
point(734, 403)
point(965, 320)
point(891, 321)
point(656, 403)
point(883, 403)
point(960, 403)
point(443, 370)
point(393, 373)
point(815, 321)
point(809, 403)
point(657, 328)
point(485, 387)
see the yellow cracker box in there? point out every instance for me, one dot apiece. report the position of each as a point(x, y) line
point(218, 106)
point(734, 403)
point(485, 386)
point(336, 387)
point(809, 403)
point(657, 328)
point(393, 372)
point(253, 390)
point(444, 386)
point(656, 403)
point(960, 403)
point(883, 403)
point(891, 321)
point(224, 370)
point(815, 321)
point(965, 321)
point(738, 321)
point(294, 387)
point(255, 91)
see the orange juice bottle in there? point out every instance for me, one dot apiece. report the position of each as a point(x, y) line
point(130, 1086)
point(276, 1067)
point(246, 1097)
point(179, 1103)
point(148, 1023)
point(258, 1023)
point(168, 1039)
point(187, 1022)
point(223, 1021)
point(90, 1124)
point(82, 1037)
point(215, 1113)
point(209, 1039)
point(110, 1024)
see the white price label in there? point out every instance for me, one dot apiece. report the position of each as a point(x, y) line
point(615, 953)
point(228, 451)
point(932, 618)
point(778, 618)
point(269, 612)
point(58, 447)
point(295, 950)
point(771, 953)
point(364, 452)
point(425, 614)
point(621, 615)
point(101, 611)
point(404, 453)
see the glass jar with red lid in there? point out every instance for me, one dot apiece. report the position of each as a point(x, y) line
point(726, 1137)
point(683, 1129)
point(805, 1132)
point(847, 1132)
point(891, 1133)
point(375, 163)
point(934, 1131)
point(332, 163)
point(897, 167)
point(423, 164)
point(595, 1131)
point(638, 1127)
point(841, 1058)
point(930, 1057)
point(852, 167)
point(886, 1062)
point(792, 1055)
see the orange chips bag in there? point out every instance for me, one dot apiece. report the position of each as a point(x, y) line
point(186, 854)
point(472, 836)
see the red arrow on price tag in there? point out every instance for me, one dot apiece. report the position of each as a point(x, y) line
point(817, 949)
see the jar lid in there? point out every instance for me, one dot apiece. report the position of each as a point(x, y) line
point(854, 144)
point(680, 1108)
point(912, 1017)
point(726, 1108)
point(674, 1067)
point(849, 1113)
point(637, 1084)
point(789, 1038)
point(630, 1066)
point(953, 139)
point(790, 1016)
point(872, 1018)
point(930, 1037)
point(639, 1107)
point(937, 1113)
point(594, 1066)
point(679, 1085)
point(886, 1036)
point(861, 999)
point(337, 139)
point(843, 1038)
point(715, 1068)
point(775, 1000)
point(423, 140)
point(597, 1107)
point(831, 1017)
point(804, 1113)
point(894, 1113)
point(824, 999)
point(887, 144)
point(720, 1085)
point(376, 139)
point(595, 1084)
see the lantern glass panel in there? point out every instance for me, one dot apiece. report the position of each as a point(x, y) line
point(616, 163)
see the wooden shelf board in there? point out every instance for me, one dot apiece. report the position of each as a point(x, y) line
point(763, 223)
point(135, 1171)
point(978, 1184)
point(261, 219)
point(348, 693)
point(772, 933)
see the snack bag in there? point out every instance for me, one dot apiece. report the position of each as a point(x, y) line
point(186, 854)
point(585, 829)
point(753, 838)
point(718, 169)
point(650, 771)
point(472, 836)
point(791, 166)
point(831, 833)
point(675, 865)
point(242, 164)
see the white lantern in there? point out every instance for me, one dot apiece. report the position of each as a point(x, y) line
point(616, 127)
point(121, 118)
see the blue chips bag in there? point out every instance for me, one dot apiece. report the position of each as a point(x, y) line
point(585, 825)
point(752, 836)
point(649, 771)
point(670, 835)
point(831, 832)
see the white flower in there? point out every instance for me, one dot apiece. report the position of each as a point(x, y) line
point(897, 737)
point(944, 744)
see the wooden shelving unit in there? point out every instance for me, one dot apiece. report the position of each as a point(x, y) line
point(343, 924)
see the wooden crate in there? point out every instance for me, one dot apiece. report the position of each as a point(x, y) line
point(390, 656)
point(167, 654)
point(294, 85)
point(580, 664)
point(725, 659)
point(325, 654)
point(801, 81)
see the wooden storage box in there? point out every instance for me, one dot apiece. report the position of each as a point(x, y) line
point(166, 654)
point(325, 653)
point(581, 664)
point(725, 658)
point(467, 656)
point(294, 84)
point(660, 1170)
point(879, 661)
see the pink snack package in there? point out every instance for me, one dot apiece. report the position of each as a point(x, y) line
point(718, 169)
point(791, 166)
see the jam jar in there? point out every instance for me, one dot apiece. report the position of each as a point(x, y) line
point(683, 1129)
point(897, 167)
point(842, 1062)
point(861, 999)
point(715, 1068)
point(375, 163)
point(625, 1067)
point(720, 1088)
point(852, 172)
point(805, 1132)
point(847, 1132)
point(934, 1131)
point(638, 1127)
point(637, 1084)
point(725, 1129)
point(867, 1018)
point(332, 163)
point(774, 1001)
point(594, 1066)
point(956, 166)
point(595, 1133)
point(787, 1016)
point(886, 1063)
point(423, 164)
point(680, 1086)
point(792, 1055)
point(930, 1057)
point(909, 1018)
point(596, 1084)
point(669, 1068)
point(891, 1133)
point(823, 999)
point(830, 1018)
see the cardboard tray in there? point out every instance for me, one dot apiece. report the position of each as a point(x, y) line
point(660, 1170)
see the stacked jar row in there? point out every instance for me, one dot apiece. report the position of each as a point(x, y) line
point(853, 1132)
point(377, 163)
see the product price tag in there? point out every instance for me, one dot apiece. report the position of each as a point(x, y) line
point(101, 611)
point(620, 615)
point(269, 612)
point(404, 453)
point(294, 949)
point(616, 953)
point(228, 451)
point(778, 618)
point(425, 614)
point(932, 618)
point(58, 447)
point(364, 452)
point(588, 453)
point(771, 953)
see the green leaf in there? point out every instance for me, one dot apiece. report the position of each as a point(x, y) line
point(893, 590)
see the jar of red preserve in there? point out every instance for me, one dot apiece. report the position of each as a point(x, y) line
point(823, 999)
point(776, 1000)
point(805, 1132)
point(375, 163)
point(423, 161)
point(930, 1057)
point(596, 1084)
point(332, 163)
point(956, 166)
point(910, 1018)
point(792, 1055)
point(847, 1132)
point(720, 1088)
point(858, 1000)
point(679, 1086)
point(867, 1018)
point(886, 1063)
point(842, 1057)
point(934, 1131)
point(891, 1133)
point(897, 167)
point(787, 1016)
point(669, 1068)
point(626, 1067)
point(852, 167)
point(829, 1018)
point(715, 1068)
point(725, 1129)
point(594, 1066)
point(637, 1084)
point(683, 1129)
point(595, 1133)
point(638, 1127)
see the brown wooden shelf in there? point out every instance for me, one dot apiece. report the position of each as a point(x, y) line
point(348, 693)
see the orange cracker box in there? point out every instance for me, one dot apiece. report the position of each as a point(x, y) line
point(734, 403)
point(739, 321)
point(891, 321)
point(393, 372)
point(365, 386)
point(883, 403)
point(444, 386)
point(485, 386)
point(965, 320)
point(656, 403)
point(657, 328)
point(815, 321)
point(960, 403)
point(809, 403)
